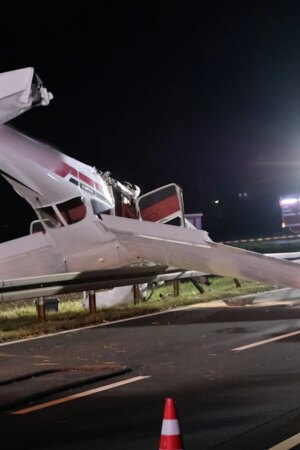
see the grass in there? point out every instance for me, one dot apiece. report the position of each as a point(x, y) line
point(20, 320)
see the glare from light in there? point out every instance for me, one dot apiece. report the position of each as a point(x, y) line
point(288, 201)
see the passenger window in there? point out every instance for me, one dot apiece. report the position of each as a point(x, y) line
point(37, 227)
point(49, 216)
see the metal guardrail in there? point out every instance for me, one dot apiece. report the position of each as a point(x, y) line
point(65, 283)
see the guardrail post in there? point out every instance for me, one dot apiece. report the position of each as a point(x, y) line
point(41, 309)
point(197, 285)
point(136, 294)
point(176, 288)
point(92, 302)
point(237, 283)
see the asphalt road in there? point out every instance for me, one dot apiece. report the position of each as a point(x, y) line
point(228, 396)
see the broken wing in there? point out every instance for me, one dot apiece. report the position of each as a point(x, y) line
point(193, 250)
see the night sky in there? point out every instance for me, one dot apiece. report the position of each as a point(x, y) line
point(204, 96)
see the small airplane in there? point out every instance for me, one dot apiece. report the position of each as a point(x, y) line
point(89, 222)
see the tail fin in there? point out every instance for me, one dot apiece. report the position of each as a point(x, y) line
point(20, 90)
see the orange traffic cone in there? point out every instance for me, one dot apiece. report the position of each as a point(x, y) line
point(170, 438)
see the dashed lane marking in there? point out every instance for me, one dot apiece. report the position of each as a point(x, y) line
point(265, 341)
point(288, 443)
point(79, 395)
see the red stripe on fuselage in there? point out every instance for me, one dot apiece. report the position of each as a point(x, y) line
point(66, 169)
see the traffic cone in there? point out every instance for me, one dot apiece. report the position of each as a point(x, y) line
point(170, 438)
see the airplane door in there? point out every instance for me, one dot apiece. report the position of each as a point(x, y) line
point(164, 205)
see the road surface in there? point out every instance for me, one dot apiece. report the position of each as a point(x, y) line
point(234, 372)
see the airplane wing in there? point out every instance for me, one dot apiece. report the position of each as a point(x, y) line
point(290, 256)
point(158, 248)
point(193, 250)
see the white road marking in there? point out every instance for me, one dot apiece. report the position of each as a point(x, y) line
point(79, 395)
point(45, 364)
point(288, 443)
point(265, 341)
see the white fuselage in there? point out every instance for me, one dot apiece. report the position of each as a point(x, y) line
point(65, 194)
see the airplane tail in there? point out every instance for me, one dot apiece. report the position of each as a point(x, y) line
point(20, 90)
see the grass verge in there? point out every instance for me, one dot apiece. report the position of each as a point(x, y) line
point(18, 322)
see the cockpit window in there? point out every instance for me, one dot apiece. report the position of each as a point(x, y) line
point(72, 210)
point(49, 216)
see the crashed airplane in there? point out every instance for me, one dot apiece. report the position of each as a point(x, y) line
point(88, 222)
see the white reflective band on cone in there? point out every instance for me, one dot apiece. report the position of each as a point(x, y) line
point(170, 427)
